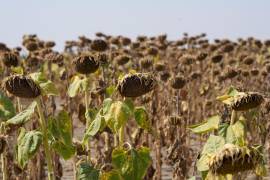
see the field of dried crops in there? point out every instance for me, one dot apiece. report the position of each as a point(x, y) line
point(115, 108)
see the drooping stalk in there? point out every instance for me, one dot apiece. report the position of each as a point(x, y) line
point(19, 104)
point(115, 140)
point(121, 135)
point(88, 145)
point(48, 154)
point(233, 117)
point(3, 159)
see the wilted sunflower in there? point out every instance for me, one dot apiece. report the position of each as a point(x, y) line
point(233, 159)
point(22, 86)
point(217, 58)
point(99, 45)
point(146, 63)
point(160, 67)
point(86, 64)
point(122, 59)
point(178, 82)
point(9, 59)
point(135, 85)
point(55, 57)
point(31, 46)
point(246, 101)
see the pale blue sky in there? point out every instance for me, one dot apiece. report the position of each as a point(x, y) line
point(62, 20)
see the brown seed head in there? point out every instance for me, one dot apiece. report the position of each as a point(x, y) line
point(135, 85)
point(9, 59)
point(246, 101)
point(232, 159)
point(99, 45)
point(178, 82)
point(22, 86)
point(86, 64)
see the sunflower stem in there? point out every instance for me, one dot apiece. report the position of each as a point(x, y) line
point(121, 135)
point(3, 159)
point(233, 117)
point(88, 145)
point(48, 154)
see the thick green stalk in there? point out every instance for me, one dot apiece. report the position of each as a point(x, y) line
point(86, 101)
point(121, 135)
point(48, 154)
point(3, 158)
point(4, 168)
point(233, 117)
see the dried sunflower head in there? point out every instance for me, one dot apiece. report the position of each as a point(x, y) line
point(22, 86)
point(122, 59)
point(246, 101)
point(217, 58)
point(201, 56)
point(99, 45)
point(232, 159)
point(31, 46)
point(165, 75)
point(9, 59)
point(86, 64)
point(49, 44)
point(135, 85)
point(146, 63)
point(178, 82)
point(160, 67)
point(55, 57)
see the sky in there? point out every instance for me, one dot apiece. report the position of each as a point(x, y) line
point(62, 20)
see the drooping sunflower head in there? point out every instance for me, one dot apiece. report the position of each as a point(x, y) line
point(86, 64)
point(232, 159)
point(135, 85)
point(9, 59)
point(246, 101)
point(22, 86)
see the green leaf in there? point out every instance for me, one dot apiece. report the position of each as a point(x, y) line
point(212, 145)
point(117, 115)
point(84, 84)
point(7, 109)
point(236, 133)
point(110, 90)
point(87, 172)
point(210, 124)
point(142, 119)
point(229, 96)
point(60, 133)
point(47, 86)
point(106, 105)
point(78, 85)
point(27, 145)
point(222, 130)
point(23, 116)
point(129, 103)
point(192, 178)
point(17, 70)
point(95, 127)
point(74, 87)
point(131, 163)
point(98, 120)
point(111, 175)
point(91, 114)
point(204, 174)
